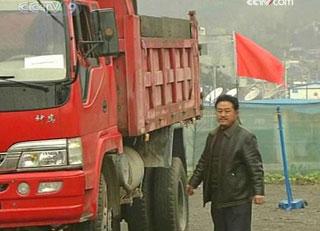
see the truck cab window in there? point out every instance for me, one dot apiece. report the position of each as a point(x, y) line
point(84, 35)
point(83, 30)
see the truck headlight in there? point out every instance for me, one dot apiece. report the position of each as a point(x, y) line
point(43, 159)
point(59, 153)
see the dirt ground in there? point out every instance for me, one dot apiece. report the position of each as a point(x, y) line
point(268, 217)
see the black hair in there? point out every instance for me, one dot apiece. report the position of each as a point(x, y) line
point(228, 98)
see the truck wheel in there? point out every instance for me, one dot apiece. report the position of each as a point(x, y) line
point(170, 199)
point(103, 220)
point(138, 215)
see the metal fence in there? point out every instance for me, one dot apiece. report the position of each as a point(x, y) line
point(301, 128)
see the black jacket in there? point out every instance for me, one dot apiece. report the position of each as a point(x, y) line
point(240, 173)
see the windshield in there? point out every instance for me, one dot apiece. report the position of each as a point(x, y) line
point(32, 42)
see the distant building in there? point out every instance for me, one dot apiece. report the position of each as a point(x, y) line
point(303, 90)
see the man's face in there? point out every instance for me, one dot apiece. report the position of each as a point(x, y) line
point(226, 114)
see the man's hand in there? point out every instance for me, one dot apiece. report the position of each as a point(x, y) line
point(189, 190)
point(258, 199)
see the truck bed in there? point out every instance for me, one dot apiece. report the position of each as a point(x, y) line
point(158, 84)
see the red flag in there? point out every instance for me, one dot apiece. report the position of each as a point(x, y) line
point(255, 62)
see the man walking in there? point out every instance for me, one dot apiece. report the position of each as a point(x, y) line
point(231, 170)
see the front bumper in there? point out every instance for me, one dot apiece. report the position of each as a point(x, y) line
point(61, 207)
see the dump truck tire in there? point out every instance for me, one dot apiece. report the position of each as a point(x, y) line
point(104, 220)
point(138, 215)
point(170, 199)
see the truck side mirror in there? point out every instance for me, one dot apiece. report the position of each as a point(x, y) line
point(105, 31)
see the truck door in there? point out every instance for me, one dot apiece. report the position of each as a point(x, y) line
point(96, 75)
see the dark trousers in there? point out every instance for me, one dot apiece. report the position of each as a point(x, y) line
point(235, 218)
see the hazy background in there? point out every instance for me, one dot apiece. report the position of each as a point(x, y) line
point(292, 33)
point(277, 28)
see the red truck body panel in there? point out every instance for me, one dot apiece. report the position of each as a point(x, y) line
point(63, 206)
point(161, 86)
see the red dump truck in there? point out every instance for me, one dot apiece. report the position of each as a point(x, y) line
point(93, 99)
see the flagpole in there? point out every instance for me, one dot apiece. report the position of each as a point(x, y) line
point(235, 62)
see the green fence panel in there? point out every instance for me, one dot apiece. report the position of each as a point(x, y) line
point(301, 122)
